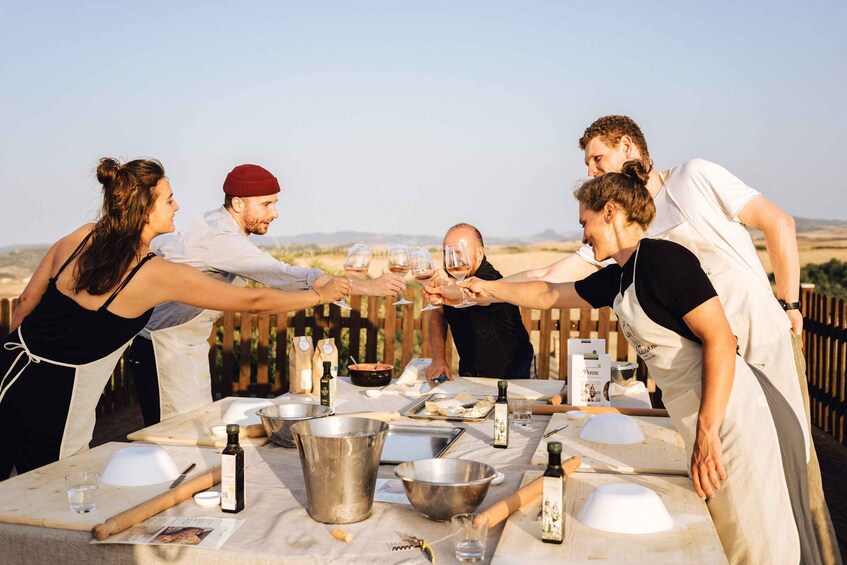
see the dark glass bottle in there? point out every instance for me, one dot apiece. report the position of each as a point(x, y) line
point(553, 496)
point(328, 386)
point(232, 472)
point(501, 416)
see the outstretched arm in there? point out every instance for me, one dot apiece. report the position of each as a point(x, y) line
point(709, 323)
point(538, 294)
point(437, 345)
point(781, 240)
point(166, 281)
point(389, 284)
point(571, 268)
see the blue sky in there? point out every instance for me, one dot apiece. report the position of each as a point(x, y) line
point(409, 117)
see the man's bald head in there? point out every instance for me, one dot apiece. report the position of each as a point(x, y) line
point(472, 239)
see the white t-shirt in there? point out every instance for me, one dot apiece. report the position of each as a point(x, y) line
point(712, 198)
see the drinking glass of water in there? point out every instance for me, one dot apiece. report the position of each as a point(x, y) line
point(82, 491)
point(469, 534)
point(521, 413)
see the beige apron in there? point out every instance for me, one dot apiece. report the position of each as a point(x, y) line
point(756, 319)
point(752, 510)
point(182, 364)
point(89, 381)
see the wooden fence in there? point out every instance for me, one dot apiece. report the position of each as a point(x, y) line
point(825, 348)
point(246, 349)
point(249, 352)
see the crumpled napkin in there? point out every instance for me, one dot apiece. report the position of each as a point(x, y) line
point(633, 396)
point(415, 370)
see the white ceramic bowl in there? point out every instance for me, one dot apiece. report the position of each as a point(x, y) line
point(615, 429)
point(208, 499)
point(576, 415)
point(625, 509)
point(138, 466)
point(243, 411)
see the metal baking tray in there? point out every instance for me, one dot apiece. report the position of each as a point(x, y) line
point(410, 443)
point(418, 410)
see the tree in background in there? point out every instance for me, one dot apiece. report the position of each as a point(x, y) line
point(829, 278)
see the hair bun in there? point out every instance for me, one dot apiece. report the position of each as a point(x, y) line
point(107, 171)
point(636, 170)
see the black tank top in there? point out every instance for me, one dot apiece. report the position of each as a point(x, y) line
point(61, 330)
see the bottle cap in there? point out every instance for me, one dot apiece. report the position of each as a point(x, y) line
point(232, 429)
point(502, 384)
point(554, 447)
point(327, 365)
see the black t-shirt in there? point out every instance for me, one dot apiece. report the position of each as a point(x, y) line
point(670, 284)
point(491, 340)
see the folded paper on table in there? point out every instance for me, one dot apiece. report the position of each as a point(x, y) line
point(415, 370)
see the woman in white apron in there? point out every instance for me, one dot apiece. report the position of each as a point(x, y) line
point(92, 292)
point(747, 451)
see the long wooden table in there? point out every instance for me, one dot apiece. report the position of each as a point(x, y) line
point(278, 528)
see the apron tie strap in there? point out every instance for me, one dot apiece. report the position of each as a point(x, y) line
point(30, 358)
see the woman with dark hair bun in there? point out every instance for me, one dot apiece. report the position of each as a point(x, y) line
point(90, 295)
point(747, 450)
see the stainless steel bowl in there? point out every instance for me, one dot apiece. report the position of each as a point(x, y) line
point(279, 418)
point(441, 488)
point(623, 372)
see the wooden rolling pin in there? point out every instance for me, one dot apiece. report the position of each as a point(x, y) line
point(140, 512)
point(253, 430)
point(546, 410)
point(524, 496)
point(559, 398)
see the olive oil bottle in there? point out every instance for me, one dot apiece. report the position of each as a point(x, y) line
point(328, 387)
point(232, 472)
point(501, 416)
point(553, 496)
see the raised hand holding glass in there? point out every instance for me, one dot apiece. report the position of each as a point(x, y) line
point(398, 262)
point(356, 266)
point(457, 262)
point(423, 269)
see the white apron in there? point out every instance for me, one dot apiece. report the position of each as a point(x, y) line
point(182, 363)
point(756, 319)
point(89, 381)
point(752, 510)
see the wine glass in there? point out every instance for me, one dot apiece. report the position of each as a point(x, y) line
point(355, 267)
point(423, 269)
point(457, 261)
point(398, 262)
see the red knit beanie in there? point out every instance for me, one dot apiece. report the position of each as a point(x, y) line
point(250, 180)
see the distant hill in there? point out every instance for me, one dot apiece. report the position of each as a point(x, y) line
point(807, 224)
point(350, 237)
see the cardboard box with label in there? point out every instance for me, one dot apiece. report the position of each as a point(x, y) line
point(589, 372)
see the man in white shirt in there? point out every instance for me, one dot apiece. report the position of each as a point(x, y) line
point(170, 358)
point(705, 208)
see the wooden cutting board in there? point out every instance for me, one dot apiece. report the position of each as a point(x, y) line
point(661, 452)
point(692, 539)
point(39, 498)
point(530, 389)
point(194, 428)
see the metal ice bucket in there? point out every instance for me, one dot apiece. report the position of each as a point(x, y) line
point(340, 460)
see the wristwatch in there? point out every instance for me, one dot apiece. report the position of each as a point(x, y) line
point(788, 305)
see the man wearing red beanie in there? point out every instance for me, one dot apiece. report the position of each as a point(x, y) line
point(169, 359)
